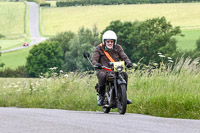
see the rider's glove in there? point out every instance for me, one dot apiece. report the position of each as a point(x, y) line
point(129, 65)
point(98, 65)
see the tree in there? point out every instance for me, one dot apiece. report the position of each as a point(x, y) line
point(44, 56)
point(85, 40)
point(146, 39)
point(63, 39)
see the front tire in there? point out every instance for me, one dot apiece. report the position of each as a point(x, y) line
point(122, 99)
point(106, 109)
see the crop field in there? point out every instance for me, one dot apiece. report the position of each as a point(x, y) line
point(12, 24)
point(12, 19)
point(54, 20)
point(162, 93)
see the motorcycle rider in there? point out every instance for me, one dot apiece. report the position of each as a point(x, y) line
point(100, 58)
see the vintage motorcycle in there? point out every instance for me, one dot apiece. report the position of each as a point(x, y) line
point(115, 90)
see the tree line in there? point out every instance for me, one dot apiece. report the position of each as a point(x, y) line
point(117, 2)
point(141, 41)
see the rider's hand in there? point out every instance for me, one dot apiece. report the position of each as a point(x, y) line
point(129, 65)
point(98, 65)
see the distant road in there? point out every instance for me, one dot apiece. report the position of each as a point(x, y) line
point(34, 27)
point(23, 120)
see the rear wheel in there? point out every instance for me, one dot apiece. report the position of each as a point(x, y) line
point(122, 99)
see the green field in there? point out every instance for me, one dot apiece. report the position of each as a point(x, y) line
point(188, 42)
point(16, 58)
point(12, 19)
point(12, 24)
point(56, 20)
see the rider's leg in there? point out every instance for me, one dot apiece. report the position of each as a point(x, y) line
point(101, 81)
point(126, 79)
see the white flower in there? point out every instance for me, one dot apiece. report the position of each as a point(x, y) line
point(51, 68)
point(155, 64)
point(169, 58)
point(54, 68)
point(15, 86)
point(162, 56)
point(171, 61)
point(66, 75)
point(159, 53)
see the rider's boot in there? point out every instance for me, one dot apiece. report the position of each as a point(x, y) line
point(129, 101)
point(101, 95)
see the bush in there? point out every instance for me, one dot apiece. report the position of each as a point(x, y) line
point(45, 5)
point(18, 72)
point(2, 36)
point(44, 56)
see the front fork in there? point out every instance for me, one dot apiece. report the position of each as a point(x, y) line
point(118, 80)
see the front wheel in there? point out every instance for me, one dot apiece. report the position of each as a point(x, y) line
point(122, 99)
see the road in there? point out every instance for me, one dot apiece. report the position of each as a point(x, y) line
point(34, 27)
point(23, 120)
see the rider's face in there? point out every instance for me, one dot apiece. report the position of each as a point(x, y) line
point(109, 43)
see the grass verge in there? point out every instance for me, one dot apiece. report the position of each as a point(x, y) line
point(163, 93)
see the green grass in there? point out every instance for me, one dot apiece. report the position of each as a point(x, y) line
point(164, 93)
point(12, 19)
point(16, 58)
point(13, 24)
point(188, 42)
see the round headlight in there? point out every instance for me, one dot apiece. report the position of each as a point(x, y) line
point(119, 69)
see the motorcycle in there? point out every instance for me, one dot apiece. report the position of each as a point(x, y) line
point(116, 86)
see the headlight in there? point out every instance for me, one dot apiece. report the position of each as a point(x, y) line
point(119, 68)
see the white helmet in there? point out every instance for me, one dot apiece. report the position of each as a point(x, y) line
point(109, 35)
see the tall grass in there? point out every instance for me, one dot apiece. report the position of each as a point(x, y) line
point(163, 92)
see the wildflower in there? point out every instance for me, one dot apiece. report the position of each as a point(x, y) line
point(66, 75)
point(159, 53)
point(54, 68)
point(155, 64)
point(162, 56)
point(171, 61)
point(61, 71)
point(169, 58)
point(51, 68)
point(15, 86)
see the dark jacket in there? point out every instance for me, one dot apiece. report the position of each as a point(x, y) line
point(117, 54)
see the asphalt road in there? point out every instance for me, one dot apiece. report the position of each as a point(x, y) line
point(33, 27)
point(23, 120)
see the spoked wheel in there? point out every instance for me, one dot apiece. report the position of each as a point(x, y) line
point(104, 108)
point(122, 102)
